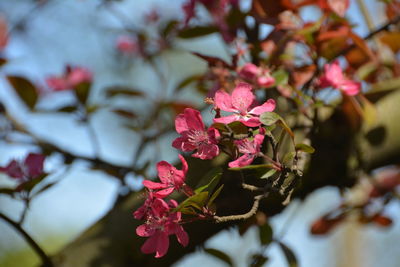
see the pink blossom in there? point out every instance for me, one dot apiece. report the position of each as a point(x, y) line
point(126, 45)
point(338, 6)
point(24, 171)
point(160, 224)
point(240, 103)
point(194, 135)
point(258, 75)
point(334, 77)
point(171, 178)
point(249, 148)
point(70, 79)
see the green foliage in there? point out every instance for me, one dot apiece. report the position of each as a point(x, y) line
point(220, 255)
point(25, 90)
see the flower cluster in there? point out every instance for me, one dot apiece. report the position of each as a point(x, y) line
point(161, 217)
point(258, 75)
point(72, 77)
point(333, 76)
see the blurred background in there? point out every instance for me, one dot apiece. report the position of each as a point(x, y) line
point(45, 36)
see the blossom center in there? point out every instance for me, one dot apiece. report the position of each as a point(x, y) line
point(198, 137)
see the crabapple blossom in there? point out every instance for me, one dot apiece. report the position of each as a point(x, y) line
point(258, 75)
point(240, 103)
point(160, 223)
point(126, 44)
point(194, 136)
point(171, 178)
point(249, 148)
point(334, 77)
point(72, 77)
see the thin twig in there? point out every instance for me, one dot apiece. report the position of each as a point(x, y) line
point(43, 256)
point(244, 216)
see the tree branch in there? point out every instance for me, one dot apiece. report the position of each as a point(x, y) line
point(43, 256)
point(244, 216)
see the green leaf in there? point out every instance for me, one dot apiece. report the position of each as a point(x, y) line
point(252, 167)
point(216, 177)
point(281, 77)
point(123, 91)
point(238, 128)
point(67, 109)
point(29, 185)
point(289, 255)
point(125, 113)
point(220, 255)
point(199, 31)
point(288, 158)
point(269, 118)
point(25, 90)
point(196, 201)
point(185, 82)
point(269, 173)
point(305, 148)
point(170, 26)
point(7, 191)
point(215, 195)
point(82, 91)
point(265, 234)
point(258, 260)
point(41, 190)
point(3, 61)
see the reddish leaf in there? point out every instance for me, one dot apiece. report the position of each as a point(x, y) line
point(213, 61)
point(3, 33)
point(391, 39)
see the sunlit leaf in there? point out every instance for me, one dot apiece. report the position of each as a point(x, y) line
point(215, 195)
point(197, 201)
point(252, 167)
point(216, 177)
point(268, 174)
point(305, 148)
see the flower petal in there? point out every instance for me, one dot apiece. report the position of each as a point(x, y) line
point(153, 185)
point(193, 119)
point(242, 161)
point(180, 123)
point(182, 143)
point(165, 171)
point(162, 245)
point(164, 193)
point(350, 87)
point(223, 101)
point(227, 119)
point(268, 106)
point(206, 151)
point(184, 164)
point(144, 230)
point(181, 235)
point(242, 97)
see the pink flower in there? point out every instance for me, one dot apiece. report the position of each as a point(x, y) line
point(334, 77)
point(338, 6)
point(240, 102)
point(171, 178)
point(249, 148)
point(126, 45)
point(194, 135)
point(258, 75)
point(24, 171)
point(70, 79)
point(160, 224)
